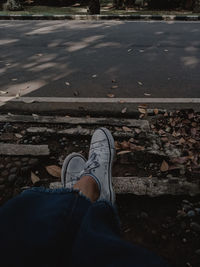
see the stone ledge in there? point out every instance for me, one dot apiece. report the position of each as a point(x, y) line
point(150, 186)
point(102, 17)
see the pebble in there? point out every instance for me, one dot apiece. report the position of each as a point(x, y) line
point(169, 176)
point(195, 227)
point(8, 165)
point(186, 207)
point(2, 186)
point(25, 159)
point(197, 252)
point(197, 211)
point(12, 178)
point(183, 225)
point(17, 163)
point(13, 170)
point(191, 213)
point(184, 240)
point(144, 215)
point(186, 201)
point(33, 161)
point(24, 169)
point(4, 173)
point(181, 214)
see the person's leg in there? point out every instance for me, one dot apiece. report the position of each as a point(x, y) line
point(37, 228)
point(98, 241)
point(88, 187)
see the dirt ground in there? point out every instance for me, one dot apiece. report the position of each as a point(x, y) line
point(167, 225)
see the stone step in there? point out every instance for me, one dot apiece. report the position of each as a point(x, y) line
point(142, 124)
point(150, 186)
point(21, 150)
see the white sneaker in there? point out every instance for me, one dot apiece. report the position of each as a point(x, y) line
point(72, 166)
point(99, 164)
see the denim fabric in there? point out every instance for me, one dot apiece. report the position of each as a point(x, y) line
point(52, 228)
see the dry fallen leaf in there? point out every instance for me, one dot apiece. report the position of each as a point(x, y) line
point(156, 111)
point(143, 106)
point(193, 131)
point(141, 50)
point(129, 50)
point(54, 170)
point(76, 93)
point(18, 94)
point(142, 110)
point(190, 116)
point(117, 128)
point(67, 83)
point(34, 178)
point(14, 79)
point(114, 86)
point(35, 115)
point(140, 83)
point(94, 76)
point(18, 135)
point(124, 110)
point(125, 145)
point(137, 130)
point(136, 148)
point(117, 146)
point(142, 116)
point(147, 94)
point(3, 92)
point(191, 140)
point(164, 166)
point(123, 152)
point(39, 55)
point(181, 140)
point(126, 129)
point(110, 95)
point(180, 160)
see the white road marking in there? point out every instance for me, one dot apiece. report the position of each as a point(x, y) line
point(98, 100)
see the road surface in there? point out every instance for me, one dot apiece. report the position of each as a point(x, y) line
point(100, 58)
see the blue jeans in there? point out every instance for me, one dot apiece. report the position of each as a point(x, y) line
point(53, 228)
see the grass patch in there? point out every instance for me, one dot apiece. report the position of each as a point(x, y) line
point(82, 10)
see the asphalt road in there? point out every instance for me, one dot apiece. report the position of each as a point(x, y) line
point(94, 59)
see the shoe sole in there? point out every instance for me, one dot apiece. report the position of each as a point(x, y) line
point(65, 166)
point(112, 154)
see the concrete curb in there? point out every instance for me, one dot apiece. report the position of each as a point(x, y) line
point(94, 106)
point(103, 17)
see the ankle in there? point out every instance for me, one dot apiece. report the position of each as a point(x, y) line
point(88, 187)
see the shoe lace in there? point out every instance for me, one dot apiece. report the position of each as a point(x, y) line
point(92, 163)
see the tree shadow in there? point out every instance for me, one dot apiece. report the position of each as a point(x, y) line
point(85, 59)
